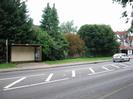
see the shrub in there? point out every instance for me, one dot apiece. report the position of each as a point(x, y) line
point(76, 45)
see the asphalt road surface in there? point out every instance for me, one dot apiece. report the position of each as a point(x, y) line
point(105, 80)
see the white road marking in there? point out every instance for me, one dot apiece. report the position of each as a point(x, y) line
point(49, 77)
point(115, 66)
point(99, 72)
point(22, 76)
point(73, 73)
point(31, 85)
point(93, 72)
point(15, 82)
point(125, 66)
point(105, 68)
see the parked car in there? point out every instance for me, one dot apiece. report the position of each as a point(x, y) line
point(120, 57)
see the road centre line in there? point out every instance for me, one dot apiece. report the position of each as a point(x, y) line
point(22, 76)
point(49, 77)
point(15, 82)
point(73, 73)
point(92, 71)
point(31, 85)
point(105, 68)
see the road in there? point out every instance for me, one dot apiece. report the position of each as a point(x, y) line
point(105, 80)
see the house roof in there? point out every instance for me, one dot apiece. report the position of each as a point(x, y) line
point(122, 47)
point(121, 32)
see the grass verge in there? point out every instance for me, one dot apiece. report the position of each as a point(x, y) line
point(73, 60)
point(7, 65)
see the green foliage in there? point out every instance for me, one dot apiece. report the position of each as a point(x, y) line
point(123, 2)
point(9, 65)
point(128, 13)
point(59, 48)
point(2, 51)
point(53, 49)
point(68, 27)
point(99, 40)
point(58, 44)
point(14, 22)
point(49, 22)
point(76, 45)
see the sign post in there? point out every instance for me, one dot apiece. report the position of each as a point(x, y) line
point(6, 50)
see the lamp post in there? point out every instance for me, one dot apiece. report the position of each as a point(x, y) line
point(6, 50)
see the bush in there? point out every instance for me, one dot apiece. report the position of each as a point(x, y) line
point(53, 49)
point(76, 45)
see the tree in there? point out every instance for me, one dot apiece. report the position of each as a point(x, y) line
point(124, 2)
point(15, 24)
point(76, 45)
point(49, 22)
point(100, 40)
point(68, 27)
point(46, 41)
point(128, 15)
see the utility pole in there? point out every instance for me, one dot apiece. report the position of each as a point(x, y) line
point(6, 50)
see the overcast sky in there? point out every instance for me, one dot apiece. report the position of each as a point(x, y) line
point(81, 11)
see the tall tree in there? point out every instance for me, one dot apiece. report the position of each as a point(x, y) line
point(49, 22)
point(68, 27)
point(99, 39)
point(15, 24)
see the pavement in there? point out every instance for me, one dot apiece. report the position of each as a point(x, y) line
point(43, 65)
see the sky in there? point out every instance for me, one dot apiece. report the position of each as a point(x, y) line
point(81, 12)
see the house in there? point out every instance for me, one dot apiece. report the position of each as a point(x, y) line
point(126, 42)
point(25, 52)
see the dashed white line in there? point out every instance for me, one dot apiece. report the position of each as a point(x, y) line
point(73, 73)
point(49, 77)
point(93, 72)
point(15, 82)
point(26, 86)
point(106, 68)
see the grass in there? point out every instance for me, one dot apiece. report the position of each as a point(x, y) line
point(7, 65)
point(77, 60)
